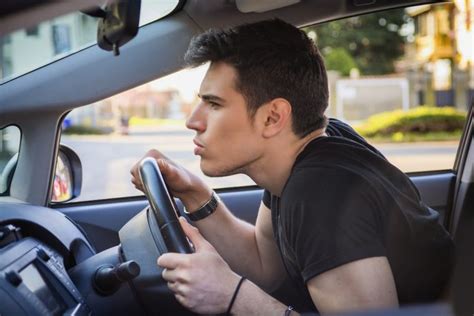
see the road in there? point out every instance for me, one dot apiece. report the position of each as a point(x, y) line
point(106, 160)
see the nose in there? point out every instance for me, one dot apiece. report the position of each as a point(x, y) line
point(197, 120)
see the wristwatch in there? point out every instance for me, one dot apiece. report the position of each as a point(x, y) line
point(205, 210)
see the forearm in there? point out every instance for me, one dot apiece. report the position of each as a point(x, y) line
point(249, 251)
point(251, 300)
point(235, 241)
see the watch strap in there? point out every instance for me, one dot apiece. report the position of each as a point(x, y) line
point(205, 210)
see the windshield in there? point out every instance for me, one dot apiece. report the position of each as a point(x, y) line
point(60, 37)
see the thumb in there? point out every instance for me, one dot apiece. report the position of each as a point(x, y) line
point(168, 170)
point(163, 165)
point(193, 234)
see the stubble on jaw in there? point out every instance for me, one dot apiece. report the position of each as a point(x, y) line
point(226, 171)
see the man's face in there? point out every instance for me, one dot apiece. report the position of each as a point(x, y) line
point(226, 139)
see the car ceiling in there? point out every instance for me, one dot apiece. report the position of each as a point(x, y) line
point(92, 74)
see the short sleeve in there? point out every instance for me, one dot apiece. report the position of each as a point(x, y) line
point(267, 199)
point(331, 220)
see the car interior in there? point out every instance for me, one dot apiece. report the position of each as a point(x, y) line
point(99, 257)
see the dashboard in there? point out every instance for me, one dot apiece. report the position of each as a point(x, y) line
point(48, 267)
point(37, 246)
point(33, 278)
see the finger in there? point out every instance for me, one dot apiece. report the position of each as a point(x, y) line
point(165, 167)
point(173, 286)
point(169, 170)
point(136, 182)
point(181, 299)
point(193, 234)
point(155, 153)
point(137, 186)
point(177, 288)
point(171, 275)
point(172, 260)
point(133, 171)
point(134, 179)
point(135, 176)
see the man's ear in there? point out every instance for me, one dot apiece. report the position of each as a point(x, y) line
point(277, 116)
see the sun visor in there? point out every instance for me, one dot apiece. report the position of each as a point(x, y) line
point(247, 6)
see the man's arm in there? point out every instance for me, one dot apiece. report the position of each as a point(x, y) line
point(249, 250)
point(204, 283)
point(359, 285)
point(356, 286)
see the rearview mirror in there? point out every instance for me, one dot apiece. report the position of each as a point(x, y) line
point(118, 24)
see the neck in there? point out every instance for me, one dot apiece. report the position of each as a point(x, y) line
point(272, 171)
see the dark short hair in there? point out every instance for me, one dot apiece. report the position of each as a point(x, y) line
point(272, 59)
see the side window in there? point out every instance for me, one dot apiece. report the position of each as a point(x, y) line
point(111, 135)
point(403, 79)
point(9, 147)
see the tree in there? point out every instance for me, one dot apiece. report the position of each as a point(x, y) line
point(373, 40)
point(339, 59)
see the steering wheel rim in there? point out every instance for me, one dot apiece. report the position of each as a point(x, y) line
point(163, 207)
point(149, 234)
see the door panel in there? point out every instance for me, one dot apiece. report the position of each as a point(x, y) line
point(102, 220)
point(436, 191)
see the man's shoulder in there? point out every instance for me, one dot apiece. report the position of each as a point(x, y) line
point(331, 154)
point(322, 180)
point(340, 129)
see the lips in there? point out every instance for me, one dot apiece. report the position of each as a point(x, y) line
point(199, 147)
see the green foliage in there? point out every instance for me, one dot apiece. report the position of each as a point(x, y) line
point(400, 137)
point(340, 60)
point(373, 40)
point(84, 130)
point(429, 121)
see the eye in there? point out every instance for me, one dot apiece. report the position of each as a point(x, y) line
point(214, 105)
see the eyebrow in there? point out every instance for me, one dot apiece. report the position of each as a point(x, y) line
point(211, 97)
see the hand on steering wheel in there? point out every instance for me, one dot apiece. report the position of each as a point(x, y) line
point(181, 183)
point(163, 206)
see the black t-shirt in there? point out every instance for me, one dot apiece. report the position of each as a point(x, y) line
point(343, 202)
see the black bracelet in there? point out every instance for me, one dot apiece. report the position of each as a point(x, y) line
point(204, 210)
point(237, 288)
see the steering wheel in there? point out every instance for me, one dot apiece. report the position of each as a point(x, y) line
point(152, 232)
point(163, 207)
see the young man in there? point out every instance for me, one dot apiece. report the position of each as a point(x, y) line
point(346, 226)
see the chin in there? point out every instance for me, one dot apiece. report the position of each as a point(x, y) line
point(213, 170)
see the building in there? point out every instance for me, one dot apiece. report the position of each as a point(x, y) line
point(441, 56)
point(30, 48)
